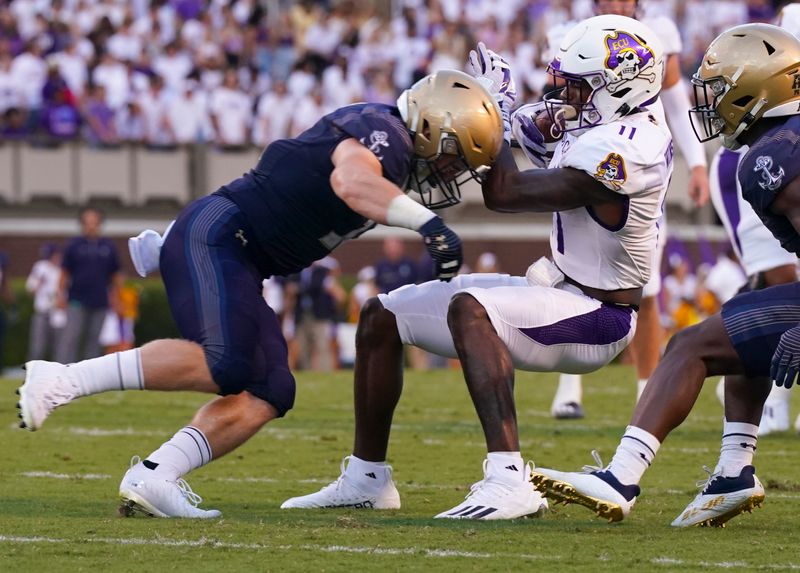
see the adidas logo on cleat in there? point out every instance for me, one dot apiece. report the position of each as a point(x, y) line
point(360, 505)
point(371, 475)
point(512, 467)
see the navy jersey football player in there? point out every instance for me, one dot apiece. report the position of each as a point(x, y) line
point(747, 91)
point(305, 197)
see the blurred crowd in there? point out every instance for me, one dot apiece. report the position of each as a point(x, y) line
point(244, 72)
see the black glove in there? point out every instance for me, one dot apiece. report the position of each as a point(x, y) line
point(444, 246)
point(786, 360)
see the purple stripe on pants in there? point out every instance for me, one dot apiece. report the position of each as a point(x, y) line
point(726, 170)
point(606, 325)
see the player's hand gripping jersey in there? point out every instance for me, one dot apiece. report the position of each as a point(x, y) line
point(633, 157)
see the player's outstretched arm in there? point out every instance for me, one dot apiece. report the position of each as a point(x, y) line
point(509, 190)
point(357, 179)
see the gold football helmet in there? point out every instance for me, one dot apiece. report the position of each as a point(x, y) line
point(748, 72)
point(457, 132)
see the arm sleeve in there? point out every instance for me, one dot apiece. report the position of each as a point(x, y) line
point(676, 107)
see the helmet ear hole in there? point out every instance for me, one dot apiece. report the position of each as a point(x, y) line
point(743, 101)
point(769, 47)
point(426, 129)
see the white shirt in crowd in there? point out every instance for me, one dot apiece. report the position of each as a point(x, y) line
point(154, 110)
point(306, 114)
point(113, 76)
point(10, 95)
point(679, 290)
point(72, 68)
point(173, 70)
point(125, 46)
point(231, 108)
point(188, 118)
point(42, 282)
point(273, 116)
point(30, 73)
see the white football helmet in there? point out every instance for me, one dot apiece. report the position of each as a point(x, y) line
point(608, 66)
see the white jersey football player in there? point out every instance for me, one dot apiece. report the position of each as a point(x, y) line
point(765, 262)
point(674, 103)
point(605, 187)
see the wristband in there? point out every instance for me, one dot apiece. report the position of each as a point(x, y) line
point(403, 211)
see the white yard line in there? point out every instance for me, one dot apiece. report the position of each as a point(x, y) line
point(53, 475)
point(669, 561)
point(203, 542)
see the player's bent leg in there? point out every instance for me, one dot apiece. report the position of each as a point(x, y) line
point(692, 355)
point(158, 365)
point(154, 486)
point(646, 343)
point(365, 481)
point(505, 491)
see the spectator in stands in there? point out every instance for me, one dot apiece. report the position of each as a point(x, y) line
point(173, 66)
point(46, 321)
point(29, 72)
point(15, 125)
point(231, 113)
point(72, 67)
point(130, 123)
point(307, 112)
point(679, 294)
point(10, 94)
point(100, 125)
point(113, 76)
point(89, 284)
point(186, 115)
point(61, 119)
point(153, 103)
point(125, 45)
point(363, 290)
point(314, 297)
point(273, 115)
point(724, 279)
point(395, 269)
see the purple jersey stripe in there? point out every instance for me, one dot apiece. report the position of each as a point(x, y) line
point(606, 325)
point(559, 234)
point(726, 170)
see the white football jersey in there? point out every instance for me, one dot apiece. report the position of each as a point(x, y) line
point(633, 157)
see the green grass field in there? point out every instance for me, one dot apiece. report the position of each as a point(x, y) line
point(58, 489)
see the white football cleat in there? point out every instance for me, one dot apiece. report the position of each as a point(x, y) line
point(141, 491)
point(774, 418)
point(345, 492)
point(46, 387)
point(595, 488)
point(492, 499)
point(722, 499)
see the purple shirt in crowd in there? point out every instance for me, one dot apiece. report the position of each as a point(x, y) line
point(61, 121)
point(104, 116)
point(390, 275)
point(91, 264)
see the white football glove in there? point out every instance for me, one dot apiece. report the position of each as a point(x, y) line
point(529, 137)
point(494, 73)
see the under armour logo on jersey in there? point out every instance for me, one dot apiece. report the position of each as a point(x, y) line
point(240, 235)
point(771, 181)
point(377, 140)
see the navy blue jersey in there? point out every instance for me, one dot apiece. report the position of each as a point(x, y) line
point(770, 165)
point(291, 210)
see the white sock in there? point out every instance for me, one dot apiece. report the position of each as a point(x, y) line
point(509, 465)
point(570, 389)
point(635, 453)
point(738, 447)
point(640, 385)
point(117, 371)
point(186, 450)
point(367, 473)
